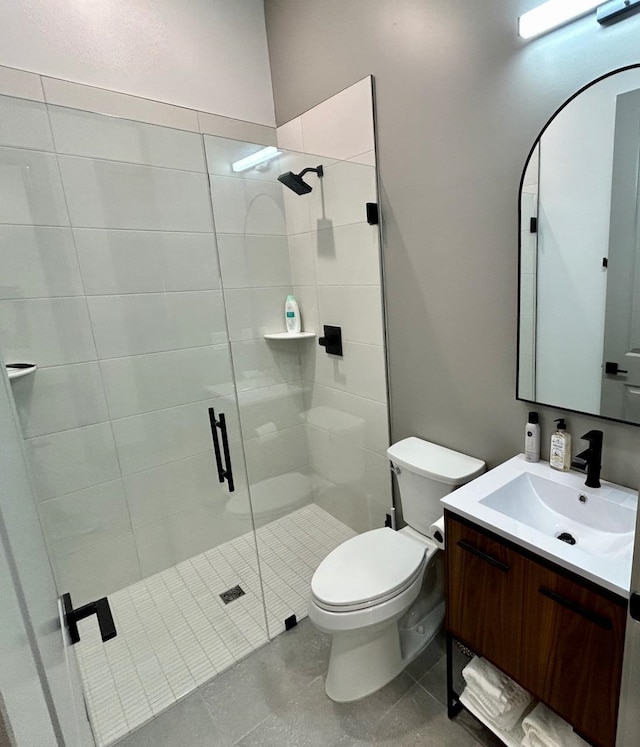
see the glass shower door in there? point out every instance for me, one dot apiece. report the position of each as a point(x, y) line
point(314, 426)
point(111, 285)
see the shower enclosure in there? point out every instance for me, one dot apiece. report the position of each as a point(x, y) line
point(189, 462)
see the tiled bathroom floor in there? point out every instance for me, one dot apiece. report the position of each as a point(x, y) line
point(276, 697)
point(174, 631)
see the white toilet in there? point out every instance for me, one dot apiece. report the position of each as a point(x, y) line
point(380, 594)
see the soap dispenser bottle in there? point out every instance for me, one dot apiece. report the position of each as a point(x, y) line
point(560, 451)
point(532, 439)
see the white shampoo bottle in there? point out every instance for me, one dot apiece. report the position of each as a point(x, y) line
point(292, 315)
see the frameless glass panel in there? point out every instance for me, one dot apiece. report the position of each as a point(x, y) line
point(147, 292)
point(314, 425)
point(111, 285)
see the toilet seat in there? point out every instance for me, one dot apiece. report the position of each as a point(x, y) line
point(367, 570)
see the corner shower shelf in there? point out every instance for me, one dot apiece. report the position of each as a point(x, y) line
point(289, 335)
point(18, 370)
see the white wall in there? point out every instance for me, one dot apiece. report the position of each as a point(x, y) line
point(576, 156)
point(203, 54)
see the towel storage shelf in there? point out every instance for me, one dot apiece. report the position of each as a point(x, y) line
point(559, 636)
point(510, 739)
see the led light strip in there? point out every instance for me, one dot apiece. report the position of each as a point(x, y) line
point(552, 14)
point(255, 159)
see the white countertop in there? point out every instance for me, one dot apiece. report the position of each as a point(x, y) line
point(611, 573)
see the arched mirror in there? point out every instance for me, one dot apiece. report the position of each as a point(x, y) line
point(579, 285)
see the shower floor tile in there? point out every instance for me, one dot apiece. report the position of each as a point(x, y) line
point(175, 632)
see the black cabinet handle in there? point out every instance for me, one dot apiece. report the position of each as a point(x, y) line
point(224, 472)
point(483, 556)
point(100, 608)
point(593, 617)
point(634, 606)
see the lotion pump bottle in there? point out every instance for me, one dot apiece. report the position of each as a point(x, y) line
point(532, 439)
point(560, 451)
point(292, 315)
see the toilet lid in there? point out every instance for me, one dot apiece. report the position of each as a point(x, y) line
point(366, 568)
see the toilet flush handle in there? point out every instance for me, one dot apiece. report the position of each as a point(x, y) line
point(395, 470)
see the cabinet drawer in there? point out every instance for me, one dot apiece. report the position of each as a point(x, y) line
point(573, 640)
point(485, 582)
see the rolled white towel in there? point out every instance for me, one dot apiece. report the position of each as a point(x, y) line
point(499, 693)
point(504, 721)
point(542, 728)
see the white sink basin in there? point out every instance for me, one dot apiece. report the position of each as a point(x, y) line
point(586, 530)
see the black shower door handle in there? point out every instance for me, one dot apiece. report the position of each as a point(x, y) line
point(216, 446)
point(100, 608)
point(225, 472)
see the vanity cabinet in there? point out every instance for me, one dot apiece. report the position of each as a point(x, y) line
point(557, 635)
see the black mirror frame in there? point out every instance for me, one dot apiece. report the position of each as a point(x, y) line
point(536, 142)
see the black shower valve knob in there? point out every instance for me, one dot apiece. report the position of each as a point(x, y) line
point(332, 340)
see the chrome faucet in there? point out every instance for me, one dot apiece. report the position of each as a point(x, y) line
point(591, 458)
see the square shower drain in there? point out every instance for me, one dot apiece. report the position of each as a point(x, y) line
point(230, 594)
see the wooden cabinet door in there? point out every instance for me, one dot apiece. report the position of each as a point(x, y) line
point(485, 582)
point(572, 649)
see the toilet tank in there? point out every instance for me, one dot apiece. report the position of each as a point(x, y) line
point(426, 472)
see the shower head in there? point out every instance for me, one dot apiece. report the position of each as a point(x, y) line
point(296, 183)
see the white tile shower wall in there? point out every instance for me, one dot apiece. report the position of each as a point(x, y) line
point(65, 397)
point(81, 133)
point(109, 194)
point(31, 189)
point(118, 262)
point(254, 261)
point(335, 263)
point(118, 300)
point(20, 84)
point(24, 124)
point(85, 98)
point(38, 262)
point(251, 225)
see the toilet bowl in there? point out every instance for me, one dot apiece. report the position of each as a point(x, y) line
point(380, 594)
point(359, 594)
